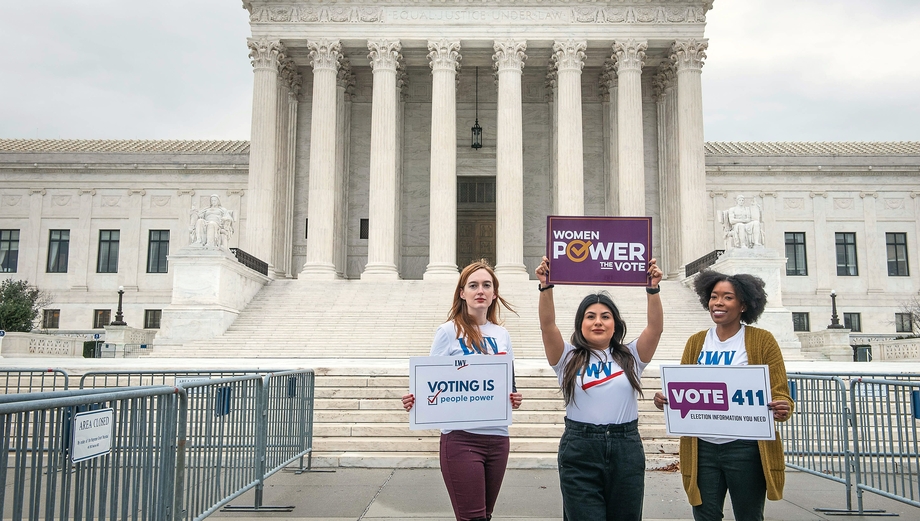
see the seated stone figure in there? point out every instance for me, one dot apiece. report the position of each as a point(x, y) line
point(743, 225)
point(212, 227)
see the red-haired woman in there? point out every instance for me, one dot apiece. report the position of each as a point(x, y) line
point(473, 461)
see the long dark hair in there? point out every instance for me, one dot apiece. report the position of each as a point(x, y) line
point(466, 328)
point(578, 359)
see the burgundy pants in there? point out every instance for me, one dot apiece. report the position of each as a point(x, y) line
point(473, 466)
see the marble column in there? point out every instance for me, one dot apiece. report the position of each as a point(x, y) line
point(569, 56)
point(630, 149)
point(825, 249)
point(290, 161)
point(552, 96)
point(876, 252)
point(444, 58)
point(134, 233)
point(30, 240)
point(324, 57)
point(688, 55)
point(509, 158)
point(668, 170)
point(345, 82)
point(81, 235)
point(381, 254)
point(266, 56)
point(288, 86)
point(608, 90)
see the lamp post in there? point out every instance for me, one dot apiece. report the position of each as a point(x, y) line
point(119, 317)
point(835, 322)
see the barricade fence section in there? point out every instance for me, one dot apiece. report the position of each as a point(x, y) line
point(886, 442)
point(95, 379)
point(14, 381)
point(89, 455)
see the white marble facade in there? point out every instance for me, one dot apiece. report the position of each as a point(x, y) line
point(353, 101)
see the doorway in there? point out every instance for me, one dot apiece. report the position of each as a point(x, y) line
point(475, 220)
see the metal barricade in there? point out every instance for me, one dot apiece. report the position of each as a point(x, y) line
point(15, 380)
point(885, 438)
point(816, 436)
point(53, 473)
point(95, 379)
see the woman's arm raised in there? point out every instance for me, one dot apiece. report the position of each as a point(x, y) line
point(648, 340)
point(553, 344)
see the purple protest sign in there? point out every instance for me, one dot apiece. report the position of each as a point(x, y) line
point(612, 251)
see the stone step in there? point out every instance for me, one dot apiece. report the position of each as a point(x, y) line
point(401, 429)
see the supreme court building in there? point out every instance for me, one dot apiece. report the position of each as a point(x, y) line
point(363, 162)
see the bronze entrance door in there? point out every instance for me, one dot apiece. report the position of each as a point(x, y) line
point(475, 220)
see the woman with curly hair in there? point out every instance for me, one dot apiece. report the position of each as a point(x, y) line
point(711, 466)
point(601, 457)
point(473, 461)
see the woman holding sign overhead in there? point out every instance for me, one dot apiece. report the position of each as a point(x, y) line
point(748, 470)
point(601, 457)
point(473, 461)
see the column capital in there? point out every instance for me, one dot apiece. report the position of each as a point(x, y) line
point(265, 53)
point(664, 80)
point(384, 54)
point(552, 80)
point(290, 77)
point(509, 54)
point(569, 55)
point(402, 80)
point(444, 55)
point(629, 54)
point(689, 54)
point(345, 78)
point(325, 54)
point(607, 80)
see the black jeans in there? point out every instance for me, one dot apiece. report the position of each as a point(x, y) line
point(601, 471)
point(734, 467)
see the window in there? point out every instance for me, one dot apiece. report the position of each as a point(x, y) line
point(101, 318)
point(476, 190)
point(852, 322)
point(364, 229)
point(897, 254)
point(846, 254)
point(108, 251)
point(9, 251)
point(157, 250)
point(152, 318)
point(800, 322)
point(903, 323)
point(795, 254)
point(58, 250)
point(51, 318)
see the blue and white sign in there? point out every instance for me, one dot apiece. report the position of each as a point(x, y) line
point(460, 392)
point(93, 432)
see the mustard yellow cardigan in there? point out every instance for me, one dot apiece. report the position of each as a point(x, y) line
point(762, 349)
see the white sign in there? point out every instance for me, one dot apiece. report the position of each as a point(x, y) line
point(460, 392)
point(92, 434)
point(718, 401)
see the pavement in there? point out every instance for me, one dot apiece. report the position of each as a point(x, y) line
point(527, 495)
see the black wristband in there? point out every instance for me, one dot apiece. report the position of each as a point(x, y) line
point(542, 288)
point(652, 291)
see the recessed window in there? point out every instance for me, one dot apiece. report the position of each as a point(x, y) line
point(363, 229)
point(101, 318)
point(896, 243)
point(152, 318)
point(846, 254)
point(157, 250)
point(51, 318)
point(476, 190)
point(58, 250)
point(852, 322)
point(903, 323)
point(9, 251)
point(800, 322)
point(108, 251)
point(795, 254)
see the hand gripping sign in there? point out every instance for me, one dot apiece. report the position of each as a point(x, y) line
point(460, 392)
point(612, 251)
point(718, 401)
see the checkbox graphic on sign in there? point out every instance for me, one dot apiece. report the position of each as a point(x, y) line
point(433, 399)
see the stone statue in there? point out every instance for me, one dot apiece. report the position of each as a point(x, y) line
point(742, 225)
point(211, 227)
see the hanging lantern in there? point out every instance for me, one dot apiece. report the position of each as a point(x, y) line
point(477, 130)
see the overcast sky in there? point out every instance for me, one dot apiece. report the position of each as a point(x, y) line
point(777, 70)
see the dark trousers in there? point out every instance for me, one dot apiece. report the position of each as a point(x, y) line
point(601, 471)
point(473, 466)
point(734, 467)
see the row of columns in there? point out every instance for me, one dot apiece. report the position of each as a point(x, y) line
point(680, 138)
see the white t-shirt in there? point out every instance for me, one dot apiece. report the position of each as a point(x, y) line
point(604, 396)
point(498, 342)
point(717, 352)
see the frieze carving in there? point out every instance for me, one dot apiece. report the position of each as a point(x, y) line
point(894, 204)
point(476, 13)
point(569, 55)
point(111, 200)
point(843, 203)
point(61, 200)
point(12, 200)
point(160, 200)
point(794, 203)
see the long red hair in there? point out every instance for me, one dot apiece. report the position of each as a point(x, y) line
point(466, 327)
